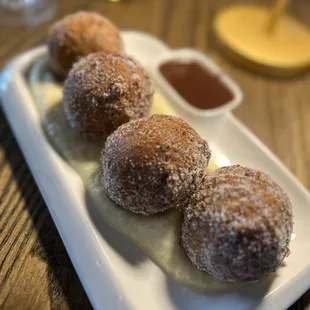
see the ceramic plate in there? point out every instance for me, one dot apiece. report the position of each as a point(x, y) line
point(114, 272)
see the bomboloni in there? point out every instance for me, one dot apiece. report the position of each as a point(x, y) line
point(154, 164)
point(104, 91)
point(238, 225)
point(78, 35)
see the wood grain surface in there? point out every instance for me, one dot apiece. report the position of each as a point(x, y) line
point(35, 271)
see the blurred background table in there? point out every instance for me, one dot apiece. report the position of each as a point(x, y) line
point(35, 271)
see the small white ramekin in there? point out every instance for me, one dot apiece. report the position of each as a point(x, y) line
point(188, 55)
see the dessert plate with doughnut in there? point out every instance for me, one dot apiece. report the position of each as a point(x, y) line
point(163, 199)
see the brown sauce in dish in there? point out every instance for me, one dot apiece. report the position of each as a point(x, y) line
point(195, 84)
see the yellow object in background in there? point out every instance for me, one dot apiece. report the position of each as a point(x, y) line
point(265, 40)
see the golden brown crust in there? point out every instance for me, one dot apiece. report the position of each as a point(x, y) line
point(104, 91)
point(78, 35)
point(153, 164)
point(238, 225)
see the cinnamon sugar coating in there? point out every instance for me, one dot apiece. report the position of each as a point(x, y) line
point(104, 91)
point(153, 164)
point(238, 225)
point(78, 35)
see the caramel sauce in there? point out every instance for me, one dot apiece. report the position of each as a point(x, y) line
point(195, 84)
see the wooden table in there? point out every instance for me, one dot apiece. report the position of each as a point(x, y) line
point(35, 271)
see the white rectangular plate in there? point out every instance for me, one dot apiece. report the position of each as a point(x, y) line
point(115, 274)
